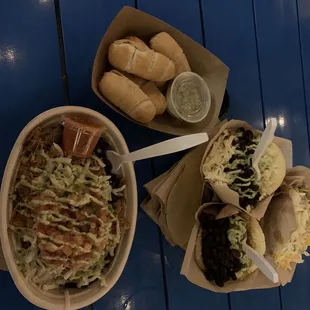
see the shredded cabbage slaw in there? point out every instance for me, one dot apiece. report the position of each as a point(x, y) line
point(218, 159)
point(292, 251)
point(64, 227)
point(237, 234)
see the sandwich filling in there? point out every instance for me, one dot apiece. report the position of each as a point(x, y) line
point(292, 251)
point(229, 162)
point(221, 248)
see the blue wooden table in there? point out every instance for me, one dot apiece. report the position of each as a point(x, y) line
point(46, 52)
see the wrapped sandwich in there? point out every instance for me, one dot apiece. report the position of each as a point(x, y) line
point(218, 250)
point(68, 213)
point(287, 220)
point(228, 162)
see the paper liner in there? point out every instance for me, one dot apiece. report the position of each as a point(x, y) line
point(190, 269)
point(130, 21)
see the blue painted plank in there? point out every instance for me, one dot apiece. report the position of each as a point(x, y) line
point(283, 95)
point(183, 15)
point(10, 297)
point(303, 11)
point(190, 24)
point(297, 292)
point(30, 83)
point(81, 39)
point(181, 293)
point(31, 79)
point(230, 33)
point(139, 286)
point(299, 288)
point(281, 72)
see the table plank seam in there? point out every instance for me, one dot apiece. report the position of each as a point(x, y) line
point(204, 44)
point(229, 302)
point(280, 297)
point(163, 266)
point(62, 53)
point(302, 70)
point(261, 92)
point(202, 24)
point(160, 236)
point(162, 257)
point(258, 63)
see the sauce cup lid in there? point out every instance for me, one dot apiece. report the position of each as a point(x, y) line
point(186, 79)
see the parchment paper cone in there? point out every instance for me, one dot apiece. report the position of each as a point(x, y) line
point(175, 197)
point(279, 221)
point(192, 272)
point(224, 192)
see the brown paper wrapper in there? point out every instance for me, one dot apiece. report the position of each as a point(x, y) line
point(130, 21)
point(175, 197)
point(190, 269)
point(279, 221)
point(224, 192)
point(159, 190)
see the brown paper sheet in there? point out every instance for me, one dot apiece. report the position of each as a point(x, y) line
point(130, 21)
point(155, 205)
point(223, 191)
point(184, 200)
point(173, 203)
point(192, 272)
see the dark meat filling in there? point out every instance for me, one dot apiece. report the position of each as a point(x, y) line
point(241, 169)
point(221, 262)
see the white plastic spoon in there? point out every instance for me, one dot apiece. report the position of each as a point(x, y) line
point(262, 264)
point(264, 142)
point(162, 148)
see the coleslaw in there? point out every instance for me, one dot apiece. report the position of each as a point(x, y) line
point(67, 218)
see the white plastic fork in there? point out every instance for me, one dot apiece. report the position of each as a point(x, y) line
point(264, 142)
point(262, 264)
point(163, 148)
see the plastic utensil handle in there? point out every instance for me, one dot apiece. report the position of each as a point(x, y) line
point(263, 265)
point(166, 147)
point(265, 140)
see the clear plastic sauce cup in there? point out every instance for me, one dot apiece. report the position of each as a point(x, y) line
point(80, 135)
point(188, 98)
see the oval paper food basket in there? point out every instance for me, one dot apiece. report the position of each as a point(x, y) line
point(68, 298)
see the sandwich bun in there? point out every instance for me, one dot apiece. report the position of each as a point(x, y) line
point(273, 174)
point(255, 239)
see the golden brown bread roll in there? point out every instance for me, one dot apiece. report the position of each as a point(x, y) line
point(163, 43)
point(136, 79)
point(151, 90)
point(130, 55)
point(138, 43)
point(127, 96)
point(158, 99)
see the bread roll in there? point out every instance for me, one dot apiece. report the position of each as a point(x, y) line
point(138, 43)
point(136, 79)
point(127, 96)
point(151, 90)
point(272, 167)
point(131, 56)
point(163, 43)
point(158, 99)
